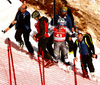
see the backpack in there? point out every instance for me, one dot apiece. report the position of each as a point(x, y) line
point(88, 35)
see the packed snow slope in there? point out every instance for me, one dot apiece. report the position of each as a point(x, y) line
point(26, 69)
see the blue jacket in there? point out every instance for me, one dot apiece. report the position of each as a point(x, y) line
point(23, 21)
point(66, 18)
point(86, 46)
point(83, 47)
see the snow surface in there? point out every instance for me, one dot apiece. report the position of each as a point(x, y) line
point(5, 20)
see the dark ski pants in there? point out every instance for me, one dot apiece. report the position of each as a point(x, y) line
point(86, 61)
point(70, 44)
point(18, 37)
point(42, 45)
point(49, 45)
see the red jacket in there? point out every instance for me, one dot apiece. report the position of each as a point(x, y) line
point(42, 28)
point(59, 34)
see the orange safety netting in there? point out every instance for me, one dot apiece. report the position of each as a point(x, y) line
point(27, 70)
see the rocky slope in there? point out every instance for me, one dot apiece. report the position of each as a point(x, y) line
point(86, 14)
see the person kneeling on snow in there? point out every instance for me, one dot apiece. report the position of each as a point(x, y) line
point(86, 49)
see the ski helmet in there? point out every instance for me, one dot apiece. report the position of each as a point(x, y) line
point(61, 21)
point(35, 14)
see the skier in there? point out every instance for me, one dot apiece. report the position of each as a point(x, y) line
point(87, 51)
point(42, 35)
point(22, 26)
point(59, 40)
point(68, 24)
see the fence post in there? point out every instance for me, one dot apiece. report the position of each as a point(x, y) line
point(40, 68)
point(43, 67)
point(21, 0)
point(9, 65)
point(12, 61)
point(75, 73)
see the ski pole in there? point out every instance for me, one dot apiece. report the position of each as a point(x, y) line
point(9, 1)
point(76, 27)
point(75, 73)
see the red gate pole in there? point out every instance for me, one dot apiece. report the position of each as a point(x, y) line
point(75, 73)
point(43, 67)
point(9, 65)
point(82, 65)
point(12, 62)
point(40, 68)
point(21, 0)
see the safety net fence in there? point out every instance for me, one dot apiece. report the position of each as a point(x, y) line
point(17, 68)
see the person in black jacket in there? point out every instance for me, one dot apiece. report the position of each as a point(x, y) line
point(22, 26)
point(42, 35)
point(87, 51)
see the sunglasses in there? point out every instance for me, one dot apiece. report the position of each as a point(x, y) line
point(63, 11)
point(79, 38)
point(22, 8)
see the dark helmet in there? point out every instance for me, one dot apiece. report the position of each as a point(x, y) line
point(35, 14)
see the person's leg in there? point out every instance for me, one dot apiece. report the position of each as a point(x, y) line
point(18, 35)
point(91, 68)
point(84, 63)
point(84, 66)
point(56, 50)
point(90, 64)
point(42, 47)
point(64, 51)
point(70, 43)
point(27, 42)
point(49, 45)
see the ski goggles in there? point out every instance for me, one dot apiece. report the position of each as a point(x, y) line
point(63, 11)
point(60, 23)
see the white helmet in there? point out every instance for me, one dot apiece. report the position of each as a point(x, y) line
point(61, 21)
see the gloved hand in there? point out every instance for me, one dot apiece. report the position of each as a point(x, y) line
point(73, 35)
point(3, 31)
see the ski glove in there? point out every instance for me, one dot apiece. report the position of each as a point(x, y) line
point(3, 31)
